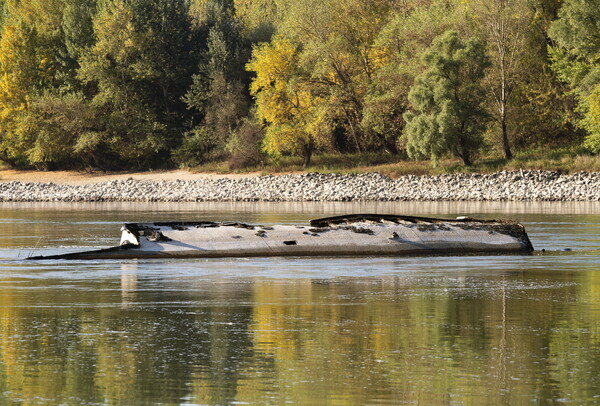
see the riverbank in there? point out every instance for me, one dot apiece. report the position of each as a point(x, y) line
point(83, 178)
point(173, 187)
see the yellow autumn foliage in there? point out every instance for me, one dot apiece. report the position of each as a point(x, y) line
point(591, 121)
point(28, 55)
point(17, 75)
point(17, 65)
point(297, 121)
point(594, 112)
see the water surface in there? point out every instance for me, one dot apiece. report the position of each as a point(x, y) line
point(440, 330)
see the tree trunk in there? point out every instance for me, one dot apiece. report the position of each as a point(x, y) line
point(467, 160)
point(463, 150)
point(390, 146)
point(354, 132)
point(308, 151)
point(505, 144)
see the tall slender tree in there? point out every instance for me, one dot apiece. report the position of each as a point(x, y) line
point(504, 24)
point(169, 57)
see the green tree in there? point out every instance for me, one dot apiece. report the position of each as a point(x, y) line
point(245, 144)
point(224, 106)
point(448, 98)
point(542, 107)
point(58, 128)
point(78, 27)
point(169, 57)
point(397, 59)
point(218, 93)
point(117, 67)
point(140, 67)
point(576, 59)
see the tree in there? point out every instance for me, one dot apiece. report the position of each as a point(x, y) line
point(258, 17)
point(169, 57)
point(575, 58)
point(541, 106)
point(77, 25)
point(224, 107)
point(2, 14)
point(448, 98)
point(296, 122)
point(397, 53)
point(33, 59)
point(503, 22)
point(336, 48)
point(219, 90)
point(19, 76)
point(140, 67)
point(117, 67)
point(244, 146)
point(58, 128)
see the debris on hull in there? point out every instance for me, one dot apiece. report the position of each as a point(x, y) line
point(351, 235)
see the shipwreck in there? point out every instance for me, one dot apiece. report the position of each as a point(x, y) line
point(348, 235)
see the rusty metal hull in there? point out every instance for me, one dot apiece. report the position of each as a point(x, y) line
point(352, 235)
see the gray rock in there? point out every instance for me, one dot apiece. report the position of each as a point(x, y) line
point(500, 186)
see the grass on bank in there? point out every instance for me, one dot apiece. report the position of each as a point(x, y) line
point(563, 160)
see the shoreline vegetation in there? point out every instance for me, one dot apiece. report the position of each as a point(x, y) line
point(538, 175)
point(562, 161)
point(411, 87)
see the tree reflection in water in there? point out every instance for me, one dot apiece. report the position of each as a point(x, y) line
point(470, 330)
point(394, 339)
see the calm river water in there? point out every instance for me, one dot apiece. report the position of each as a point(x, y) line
point(444, 330)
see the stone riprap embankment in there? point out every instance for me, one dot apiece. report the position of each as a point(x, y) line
point(500, 186)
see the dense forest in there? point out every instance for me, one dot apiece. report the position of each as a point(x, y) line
point(138, 84)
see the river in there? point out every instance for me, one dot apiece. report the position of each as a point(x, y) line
point(470, 330)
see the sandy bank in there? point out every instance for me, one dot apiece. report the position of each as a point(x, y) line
point(83, 178)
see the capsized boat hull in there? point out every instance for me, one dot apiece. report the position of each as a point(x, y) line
point(351, 235)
